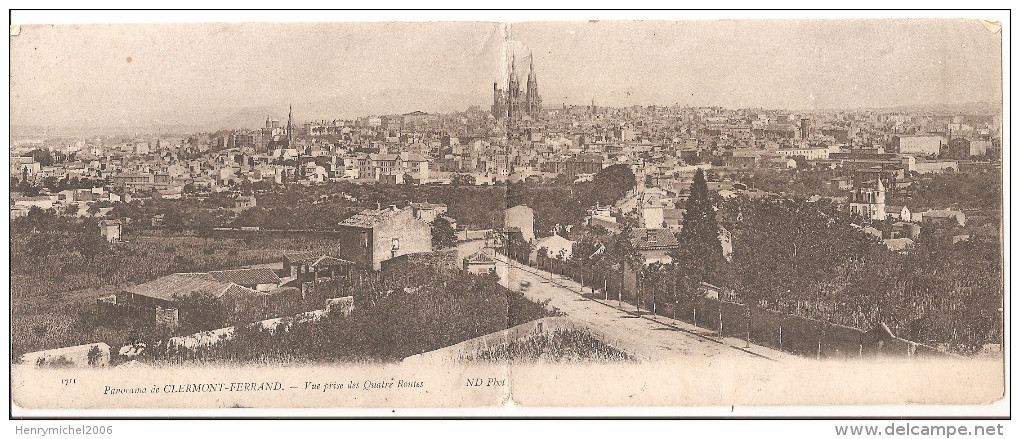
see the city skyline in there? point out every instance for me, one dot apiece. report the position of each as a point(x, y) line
point(410, 214)
point(198, 74)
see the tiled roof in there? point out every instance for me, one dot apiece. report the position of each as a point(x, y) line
point(427, 205)
point(369, 218)
point(479, 257)
point(384, 157)
point(321, 260)
point(180, 284)
point(655, 238)
point(248, 277)
point(407, 157)
point(235, 290)
point(36, 198)
point(299, 256)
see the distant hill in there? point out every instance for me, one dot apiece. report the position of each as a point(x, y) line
point(246, 117)
point(349, 106)
point(968, 108)
point(392, 101)
point(340, 106)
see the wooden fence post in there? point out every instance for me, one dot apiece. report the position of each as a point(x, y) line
point(654, 287)
point(720, 319)
point(748, 341)
point(821, 335)
point(622, 286)
point(582, 280)
point(638, 285)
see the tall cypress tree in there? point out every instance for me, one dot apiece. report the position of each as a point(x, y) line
point(700, 252)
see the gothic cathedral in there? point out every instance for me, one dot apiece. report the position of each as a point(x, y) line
point(510, 103)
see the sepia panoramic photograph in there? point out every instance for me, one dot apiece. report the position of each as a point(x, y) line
point(641, 213)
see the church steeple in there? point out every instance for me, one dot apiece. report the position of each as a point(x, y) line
point(514, 91)
point(531, 69)
point(513, 102)
point(533, 101)
point(514, 81)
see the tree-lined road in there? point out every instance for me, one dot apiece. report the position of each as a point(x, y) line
point(641, 334)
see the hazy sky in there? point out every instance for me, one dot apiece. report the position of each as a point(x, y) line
point(185, 73)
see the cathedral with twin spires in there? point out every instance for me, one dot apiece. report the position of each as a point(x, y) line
point(511, 103)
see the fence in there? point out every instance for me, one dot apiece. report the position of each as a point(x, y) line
point(797, 334)
point(472, 235)
point(786, 331)
point(107, 307)
point(618, 286)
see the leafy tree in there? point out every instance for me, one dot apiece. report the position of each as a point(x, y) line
point(90, 243)
point(621, 249)
point(786, 250)
point(173, 220)
point(462, 180)
point(70, 209)
point(612, 183)
point(542, 253)
point(518, 248)
point(517, 194)
point(563, 180)
point(50, 183)
point(94, 355)
point(801, 161)
point(586, 248)
point(443, 234)
point(43, 156)
point(204, 223)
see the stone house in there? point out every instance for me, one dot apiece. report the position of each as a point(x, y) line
point(375, 235)
point(479, 263)
point(523, 218)
point(111, 230)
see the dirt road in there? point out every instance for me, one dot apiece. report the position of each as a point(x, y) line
point(640, 333)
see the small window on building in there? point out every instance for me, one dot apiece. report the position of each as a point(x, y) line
point(364, 239)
